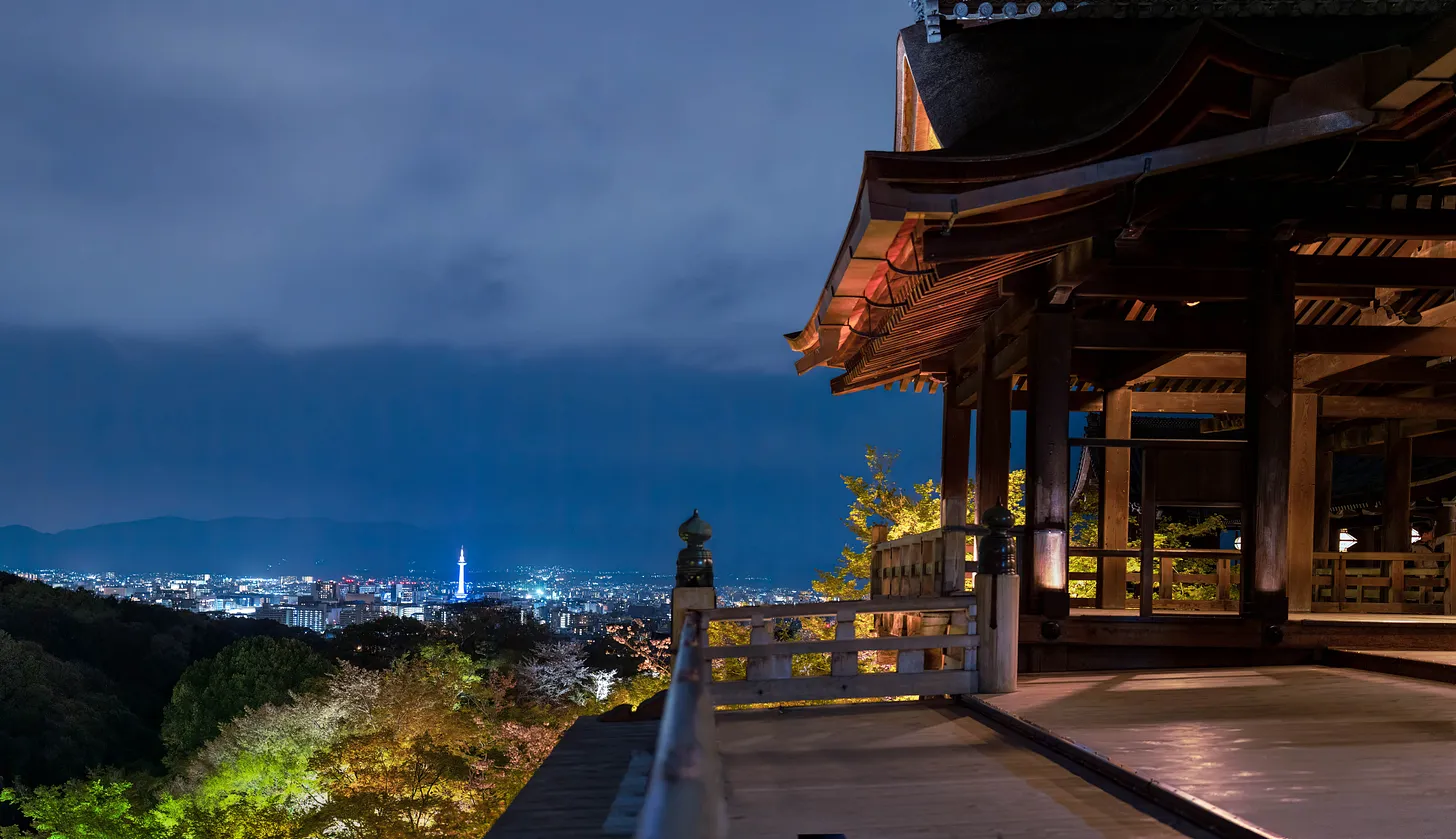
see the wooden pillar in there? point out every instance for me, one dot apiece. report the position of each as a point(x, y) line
point(1269, 417)
point(955, 467)
point(1395, 518)
point(1116, 482)
point(1303, 485)
point(1048, 477)
point(1324, 484)
point(993, 440)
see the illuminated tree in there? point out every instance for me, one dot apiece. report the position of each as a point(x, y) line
point(652, 655)
point(247, 674)
point(556, 674)
point(87, 809)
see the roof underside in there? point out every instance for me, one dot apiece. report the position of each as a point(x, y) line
point(1186, 131)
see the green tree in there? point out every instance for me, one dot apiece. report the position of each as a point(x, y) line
point(379, 643)
point(493, 633)
point(59, 718)
point(247, 674)
point(407, 768)
point(878, 499)
point(88, 809)
point(255, 778)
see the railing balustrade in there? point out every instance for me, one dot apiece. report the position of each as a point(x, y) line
point(1373, 582)
point(946, 643)
point(914, 566)
point(1167, 577)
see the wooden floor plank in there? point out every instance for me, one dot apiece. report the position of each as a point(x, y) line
point(1301, 751)
point(901, 770)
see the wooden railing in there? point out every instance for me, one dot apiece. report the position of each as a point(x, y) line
point(685, 793)
point(915, 566)
point(1403, 583)
point(939, 658)
point(1167, 578)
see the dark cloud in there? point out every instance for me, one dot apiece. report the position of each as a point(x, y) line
point(594, 461)
point(338, 174)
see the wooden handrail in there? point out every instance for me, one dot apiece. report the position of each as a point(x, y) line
point(827, 608)
point(685, 793)
point(1192, 553)
point(1148, 443)
point(1396, 575)
point(846, 645)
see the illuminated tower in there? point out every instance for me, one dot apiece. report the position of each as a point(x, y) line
point(460, 587)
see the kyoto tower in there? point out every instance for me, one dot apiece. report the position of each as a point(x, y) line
point(460, 587)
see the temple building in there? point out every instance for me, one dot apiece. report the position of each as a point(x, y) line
point(1242, 211)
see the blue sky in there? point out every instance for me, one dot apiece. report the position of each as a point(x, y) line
point(465, 265)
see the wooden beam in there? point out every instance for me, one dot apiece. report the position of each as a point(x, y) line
point(1370, 343)
point(1010, 318)
point(1048, 480)
point(1302, 502)
point(1432, 341)
point(1395, 521)
point(1434, 225)
point(1201, 366)
point(1160, 284)
point(1371, 437)
point(1317, 368)
point(1408, 371)
point(1387, 407)
point(983, 241)
point(1116, 485)
point(1163, 335)
point(1011, 359)
point(1359, 272)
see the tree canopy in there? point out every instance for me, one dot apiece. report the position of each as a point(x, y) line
point(248, 674)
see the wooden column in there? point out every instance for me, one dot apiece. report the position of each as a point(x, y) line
point(1116, 482)
point(993, 440)
point(955, 467)
point(1324, 484)
point(1269, 414)
point(1395, 518)
point(1303, 492)
point(1049, 362)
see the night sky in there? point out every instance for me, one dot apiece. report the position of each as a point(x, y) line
point(482, 267)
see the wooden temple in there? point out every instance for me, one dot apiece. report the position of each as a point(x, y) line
point(1245, 213)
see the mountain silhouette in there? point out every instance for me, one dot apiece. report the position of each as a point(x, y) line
point(235, 547)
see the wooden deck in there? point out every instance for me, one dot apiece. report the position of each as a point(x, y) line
point(1300, 751)
point(909, 769)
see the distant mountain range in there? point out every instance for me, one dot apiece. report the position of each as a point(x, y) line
point(235, 547)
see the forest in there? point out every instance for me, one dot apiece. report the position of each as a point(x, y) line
point(121, 720)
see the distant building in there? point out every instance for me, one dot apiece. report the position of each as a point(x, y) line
point(308, 616)
point(273, 613)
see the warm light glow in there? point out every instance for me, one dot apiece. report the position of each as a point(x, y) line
point(1238, 543)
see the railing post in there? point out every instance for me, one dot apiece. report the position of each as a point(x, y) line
point(998, 603)
point(693, 590)
point(879, 534)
